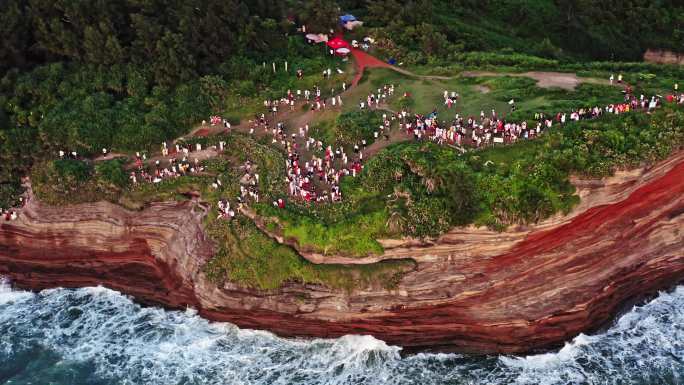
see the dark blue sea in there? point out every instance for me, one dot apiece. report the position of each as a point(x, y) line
point(98, 336)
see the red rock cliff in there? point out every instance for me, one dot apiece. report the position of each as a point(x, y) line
point(473, 290)
point(663, 57)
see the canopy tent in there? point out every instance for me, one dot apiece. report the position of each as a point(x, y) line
point(337, 43)
point(317, 38)
point(352, 24)
point(347, 18)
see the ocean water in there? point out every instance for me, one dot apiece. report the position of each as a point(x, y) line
point(98, 336)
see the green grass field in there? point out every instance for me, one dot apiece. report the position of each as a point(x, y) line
point(477, 94)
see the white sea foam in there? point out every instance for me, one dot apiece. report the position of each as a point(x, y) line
point(567, 353)
point(127, 344)
point(8, 295)
point(646, 345)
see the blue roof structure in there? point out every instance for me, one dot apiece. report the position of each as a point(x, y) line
point(347, 18)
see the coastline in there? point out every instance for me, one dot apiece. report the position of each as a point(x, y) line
point(473, 290)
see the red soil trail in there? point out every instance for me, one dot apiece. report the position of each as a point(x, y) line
point(202, 132)
point(363, 61)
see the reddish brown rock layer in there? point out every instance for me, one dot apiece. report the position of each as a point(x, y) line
point(473, 290)
point(663, 57)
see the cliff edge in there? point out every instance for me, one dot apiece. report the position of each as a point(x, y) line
point(473, 290)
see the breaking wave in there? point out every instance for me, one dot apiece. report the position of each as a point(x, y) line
point(99, 336)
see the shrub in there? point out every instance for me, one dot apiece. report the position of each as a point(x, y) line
point(112, 173)
point(70, 181)
point(352, 127)
point(9, 194)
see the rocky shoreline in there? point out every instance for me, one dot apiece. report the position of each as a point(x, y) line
point(473, 290)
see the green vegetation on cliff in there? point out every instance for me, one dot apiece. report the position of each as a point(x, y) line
point(422, 189)
point(245, 254)
point(125, 76)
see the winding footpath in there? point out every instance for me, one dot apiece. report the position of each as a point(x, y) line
point(545, 79)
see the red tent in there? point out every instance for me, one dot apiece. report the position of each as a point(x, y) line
point(337, 43)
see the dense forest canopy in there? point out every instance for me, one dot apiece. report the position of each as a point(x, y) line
point(180, 39)
point(573, 29)
point(124, 75)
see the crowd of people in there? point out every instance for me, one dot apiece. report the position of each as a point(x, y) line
point(315, 98)
point(373, 100)
point(249, 190)
point(301, 177)
point(249, 183)
point(314, 170)
point(317, 178)
point(492, 128)
point(305, 176)
point(178, 164)
point(12, 214)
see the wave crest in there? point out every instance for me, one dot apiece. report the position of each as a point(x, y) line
point(106, 338)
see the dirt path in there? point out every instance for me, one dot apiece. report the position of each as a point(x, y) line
point(364, 60)
point(396, 135)
point(545, 79)
point(298, 117)
point(564, 80)
point(109, 156)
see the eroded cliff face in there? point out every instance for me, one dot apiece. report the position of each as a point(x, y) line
point(152, 254)
point(473, 289)
point(663, 57)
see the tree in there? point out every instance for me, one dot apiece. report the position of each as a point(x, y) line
point(320, 16)
point(15, 35)
point(215, 89)
point(174, 61)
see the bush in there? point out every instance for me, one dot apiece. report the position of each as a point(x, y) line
point(433, 190)
point(352, 127)
point(112, 173)
point(493, 59)
point(9, 194)
point(71, 171)
point(69, 181)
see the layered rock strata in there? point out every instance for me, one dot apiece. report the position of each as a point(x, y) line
point(473, 290)
point(663, 57)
